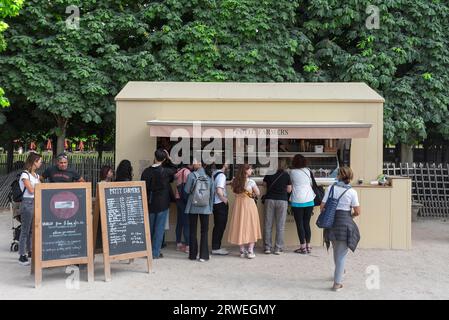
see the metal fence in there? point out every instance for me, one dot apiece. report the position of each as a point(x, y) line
point(88, 165)
point(430, 185)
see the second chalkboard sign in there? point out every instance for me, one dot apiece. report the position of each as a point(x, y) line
point(124, 222)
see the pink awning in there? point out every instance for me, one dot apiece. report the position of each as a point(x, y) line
point(255, 129)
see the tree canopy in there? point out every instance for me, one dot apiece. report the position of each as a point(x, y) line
point(74, 73)
point(8, 8)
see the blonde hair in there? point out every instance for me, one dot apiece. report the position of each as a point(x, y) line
point(345, 174)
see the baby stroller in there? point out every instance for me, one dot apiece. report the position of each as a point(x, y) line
point(16, 226)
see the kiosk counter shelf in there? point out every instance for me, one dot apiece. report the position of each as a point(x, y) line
point(324, 166)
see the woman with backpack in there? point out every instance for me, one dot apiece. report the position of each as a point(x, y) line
point(302, 202)
point(182, 223)
point(200, 190)
point(245, 225)
point(344, 233)
point(27, 182)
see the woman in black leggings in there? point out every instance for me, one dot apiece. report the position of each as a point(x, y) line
point(302, 219)
point(302, 201)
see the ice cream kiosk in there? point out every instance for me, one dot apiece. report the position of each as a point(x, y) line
point(331, 124)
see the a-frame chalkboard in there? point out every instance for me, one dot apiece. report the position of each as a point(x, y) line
point(62, 232)
point(125, 226)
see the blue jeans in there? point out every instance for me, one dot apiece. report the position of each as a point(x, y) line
point(182, 223)
point(340, 251)
point(157, 227)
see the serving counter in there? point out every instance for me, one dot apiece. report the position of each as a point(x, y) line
point(384, 223)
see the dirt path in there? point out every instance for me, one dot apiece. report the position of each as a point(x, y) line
point(421, 273)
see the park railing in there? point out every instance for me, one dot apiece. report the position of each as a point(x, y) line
point(87, 164)
point(430, 185)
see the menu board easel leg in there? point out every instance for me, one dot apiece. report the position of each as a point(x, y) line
point(90, 271)
point(107, 269)
point(149, 263)
point(33, 254)
point(37, 277)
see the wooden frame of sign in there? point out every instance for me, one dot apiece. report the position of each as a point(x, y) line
point(129, 255)
point(40, 259)
point(96, 222)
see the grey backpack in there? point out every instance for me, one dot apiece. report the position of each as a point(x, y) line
point(201, 191)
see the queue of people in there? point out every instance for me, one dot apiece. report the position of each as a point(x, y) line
point(201, 192)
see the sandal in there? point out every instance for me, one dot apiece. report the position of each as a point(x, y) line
point(301, 251)
point(309, 249)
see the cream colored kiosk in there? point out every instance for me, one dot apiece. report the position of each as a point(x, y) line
point(331, 124)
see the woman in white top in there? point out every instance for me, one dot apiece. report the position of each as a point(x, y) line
point(344, 233)
point(27, 181)
point(302, 201)
point(245, 224)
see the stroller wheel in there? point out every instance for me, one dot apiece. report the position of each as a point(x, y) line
point(14, 247)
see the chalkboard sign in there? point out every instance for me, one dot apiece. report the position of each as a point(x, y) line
point(63, 227)
point(125, 219)
point(124, 222)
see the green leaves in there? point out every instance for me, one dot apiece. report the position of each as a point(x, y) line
point(77, 73)
point(8, 8)
point(4, 102)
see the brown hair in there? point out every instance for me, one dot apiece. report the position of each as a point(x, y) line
point(282, 164)
point(31, 159)
point(104, 172)
point(299, 162)
point(239, 182)
point(345, 174)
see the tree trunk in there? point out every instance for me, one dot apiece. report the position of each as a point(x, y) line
point(54, 143)
point(406, 153)
point(10, 156)
point(61, 132)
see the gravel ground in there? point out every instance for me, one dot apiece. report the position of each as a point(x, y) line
point(420, 273)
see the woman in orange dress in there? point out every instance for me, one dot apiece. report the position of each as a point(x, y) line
point(245, 223)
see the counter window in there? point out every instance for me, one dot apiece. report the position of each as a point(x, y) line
point(324, 156)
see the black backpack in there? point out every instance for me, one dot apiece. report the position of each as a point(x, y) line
point(16, 191)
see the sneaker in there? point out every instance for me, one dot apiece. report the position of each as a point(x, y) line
point(220, 252)
point(267, 251)
point(179, 247)
point(23, 261)
point(337, 287)
point(202, 260)
point(278, 252)
point(251, 255)
point(243, 254)
point(186, 249)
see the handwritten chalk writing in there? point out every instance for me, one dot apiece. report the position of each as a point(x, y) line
point(67, 238)
point(125, 220)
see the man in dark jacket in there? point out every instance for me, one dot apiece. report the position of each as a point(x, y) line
point(159, 194)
